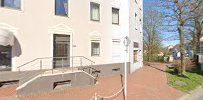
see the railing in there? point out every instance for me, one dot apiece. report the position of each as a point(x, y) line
point(92, 71)
point(58, 62)
point(40, 66)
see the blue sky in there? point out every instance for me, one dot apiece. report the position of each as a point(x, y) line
point(167, 41)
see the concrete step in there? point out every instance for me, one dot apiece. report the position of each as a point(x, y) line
point(26, 76)
point(17, 77)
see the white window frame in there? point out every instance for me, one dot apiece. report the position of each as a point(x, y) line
point(91, 18)
point(67, 15)
point(135, 60)
point(20, 9)
point(92, 48)
point(113, 8)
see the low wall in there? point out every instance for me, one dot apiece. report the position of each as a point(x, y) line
point(46, 83)
point(109, 69)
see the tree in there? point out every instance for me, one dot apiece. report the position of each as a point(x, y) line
point(177, 13)
point(152, 38)
point(197, 24)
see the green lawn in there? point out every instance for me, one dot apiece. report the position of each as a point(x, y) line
point(192, 80)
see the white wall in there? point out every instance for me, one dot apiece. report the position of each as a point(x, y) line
point(37, 17)
point(136, 33)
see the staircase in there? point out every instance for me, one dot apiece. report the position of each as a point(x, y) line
point(43, 80)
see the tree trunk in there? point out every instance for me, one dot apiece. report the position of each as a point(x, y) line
point(198, 30)
point(182, 49)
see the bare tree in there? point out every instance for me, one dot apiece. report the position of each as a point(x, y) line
point(196, 14)
point(178, 13)
point(152, 38)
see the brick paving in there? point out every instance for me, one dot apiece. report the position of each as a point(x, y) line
point(150, 83)
point(147, 83)
point(8, 93)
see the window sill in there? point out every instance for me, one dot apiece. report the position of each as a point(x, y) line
point(95, 55)
point(10, 8)
point(116, 24)
point(95, 20)
point(65, 16)
point(135, 62)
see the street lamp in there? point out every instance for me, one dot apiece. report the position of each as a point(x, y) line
point(126, 44)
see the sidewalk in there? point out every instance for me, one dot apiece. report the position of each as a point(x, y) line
point(150, 83)
point(147, 83)
point(194, 95)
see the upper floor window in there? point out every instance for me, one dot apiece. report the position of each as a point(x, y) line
point(115, 16)
point(95, 11)
point(16, 4)
point(61, 7)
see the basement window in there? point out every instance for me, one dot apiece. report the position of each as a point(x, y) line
point(116, 69)
point(62, 84)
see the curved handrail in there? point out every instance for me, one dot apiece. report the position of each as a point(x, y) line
point(52, 58)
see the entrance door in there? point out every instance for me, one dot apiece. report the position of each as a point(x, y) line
point(5, 58)
point(61, 51)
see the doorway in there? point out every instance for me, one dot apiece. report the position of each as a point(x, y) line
point(61, 51)
point(5, 58)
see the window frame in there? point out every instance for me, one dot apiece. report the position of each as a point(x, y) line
point(92, 54)
point(135, 56)
point(116, 9)
point(7, 7)
point(67, 15)
point(91, 18)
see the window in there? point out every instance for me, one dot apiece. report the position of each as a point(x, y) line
point(61, 7)
point(16, 4)
point(115, 16)
point(95, 49)
point(135, 45)
point(135, 56)
point(95, 11)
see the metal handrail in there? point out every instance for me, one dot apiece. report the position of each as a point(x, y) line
point(53, 58)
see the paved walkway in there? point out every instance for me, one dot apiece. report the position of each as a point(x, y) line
point(150, 83)
point(8, 93)
point(147, 83)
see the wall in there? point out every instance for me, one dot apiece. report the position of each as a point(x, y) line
point(136, 33)
point(46, 83)
point(107, 69)
point(34, 22)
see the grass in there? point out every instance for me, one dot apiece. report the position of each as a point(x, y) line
point(192, 80)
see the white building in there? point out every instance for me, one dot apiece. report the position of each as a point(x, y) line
point(93, 29)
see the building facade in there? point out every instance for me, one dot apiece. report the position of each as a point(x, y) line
point(94, 29)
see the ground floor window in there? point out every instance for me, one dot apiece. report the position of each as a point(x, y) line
point(95, 48)
point(135, 56)
point(5, 57)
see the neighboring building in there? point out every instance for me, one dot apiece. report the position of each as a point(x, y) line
point(94, 29)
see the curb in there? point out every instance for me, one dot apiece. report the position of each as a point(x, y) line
point(190, 93)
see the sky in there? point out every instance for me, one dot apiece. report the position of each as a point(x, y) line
point(167, 41)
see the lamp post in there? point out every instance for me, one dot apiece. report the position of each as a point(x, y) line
point(126, 44)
